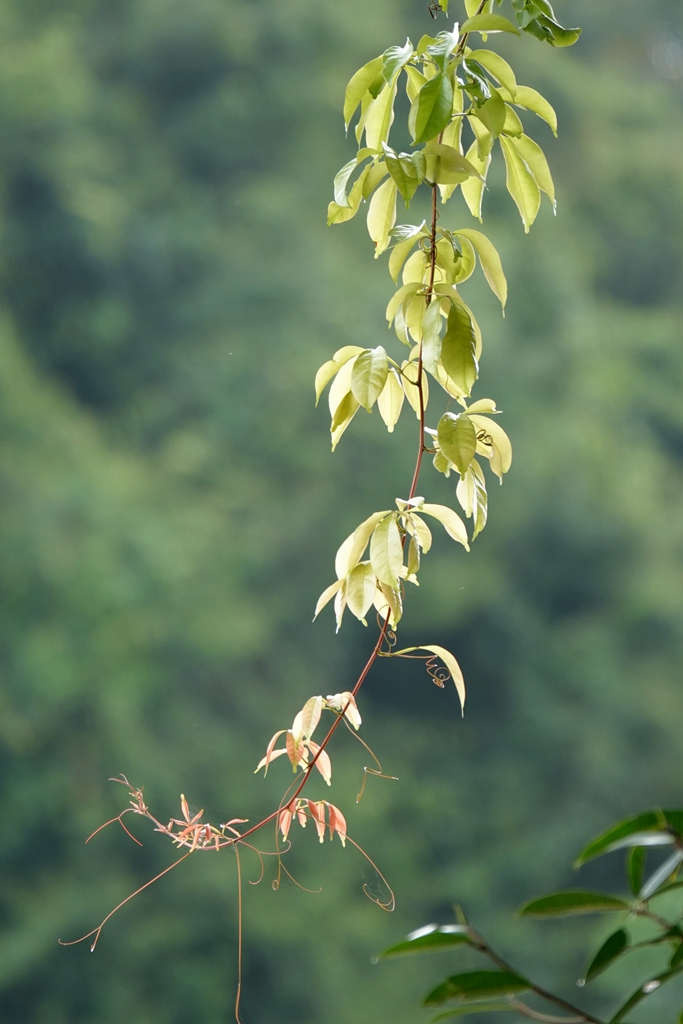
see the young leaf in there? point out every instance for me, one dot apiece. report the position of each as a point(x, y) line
point(535, 159)
point(499, 68)
point(310, 716)
point(431, 939)
point(458, 351)
point(390, 402)
point(457, 439)
point(386, 551)
point(337, 214)
point(352, 550)
point(446, 166)
point(369, 376)
point(432, 322)
point(574, 901)
point(490, 262)
point(358, 86)
point(432, 109)
point(337, 823)
point(327, 596)
point(407, 170)
point(520, 183)
point(394, 59)
point(473, 188)
point(471, 493)
point(453, 667)
point(271, 753)
point(346, 410)
point(331, 368)
point(412, 392)
point(611, 949)
point(477, 985)
point(489, 23)
point(399, 298)
point(382, 215)
point(380, 118)
point(661, 874)
point(529, 99)
point(492, 113)
point(322, 763)
point(493, 442)
point(450, 520)
point(360, 590)
point(421, 531)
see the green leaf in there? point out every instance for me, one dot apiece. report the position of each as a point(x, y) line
point(380, 117)
point(400, 252)
point(443, 46)
point(457, 439)
point(432, 322)
point(471, 493)
point(477, 985)
point(361, 587)
point(660, 876)
point(390, 402)
point(490, 262)
point(611, 949)
point(394, 59)
point(351, 551)
point(369, 376)
point(329, 369)
point(629, 832)
point(386, 552)
point(643, 992)
point(573, 901)
point(489, 23)
point(346, 410)
point(337, 214)
point(520, 183)
point(446, 166)
point(430, 939)
point(458, 350)
point(535, 159)
point(499, 68)
point(432, 109)
point(635, 867)
point(382, 215)
point(493, 113)
point(473, 188)
point(399, 297)
point(358, 86)
point(450, 663)
point(529, 99)
point(407, 170)
point(677, 958)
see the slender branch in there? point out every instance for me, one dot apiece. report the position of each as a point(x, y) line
point(526, 1011)
point(583, 1016)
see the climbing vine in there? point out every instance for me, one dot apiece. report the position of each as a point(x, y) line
point(466, 107)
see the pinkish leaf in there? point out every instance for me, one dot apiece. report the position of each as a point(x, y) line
point(317, 812)
point(285, 821)
point(269, 752)
point(273, 755)
point(322, 763)
point(337, 823)
point(295, 751)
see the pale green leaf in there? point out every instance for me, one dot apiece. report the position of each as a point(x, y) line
point(457, 439)
point(432, 322)
point(489, 23)
point(341, 386)
point(458, 350)
point(513, 125)
point(493, 442)
point(369, 376)
point(359, 85)
point(467, 263)
point(422, 531)
point(394, 59)
point(520, 183)
point(337, 214)
point(412, 392)
point(382, 215)
point(473, 188)
point(414, 83)
point(398, 298)
point(471, 493)
point(327, 596)
point(399, 255)
point(499, 68)
point(361, 587)
point(490, 262)
point(376, 172)
point(329, 369)
point(492, 114)
point(353, 548)
point(535, 159)
point(380, 118)
point(344, 413)
point(386, 552)
point(414, 270)
point(529, 99)
point(446, 166)
point(450, 663)
point(390, 402)
point(450, 520)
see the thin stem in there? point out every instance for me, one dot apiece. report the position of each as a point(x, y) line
point(583, 1016)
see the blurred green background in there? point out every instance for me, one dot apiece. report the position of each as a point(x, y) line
point(170, 507)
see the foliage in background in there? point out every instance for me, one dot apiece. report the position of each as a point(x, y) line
point(161, 531)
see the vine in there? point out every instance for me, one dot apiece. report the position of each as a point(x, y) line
point(455, 92)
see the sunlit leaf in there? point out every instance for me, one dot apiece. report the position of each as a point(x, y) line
point(360, 590)
point(431, 939)
point(359, 85)
point(530, 99)
point(352, 550)
point(489, 23)
point(327, 596)
point(432, 323)
point(380, 118)
point(346, 410)
point(331, 368)
point(492, 114)
point(394, 59)
point(661, 874)
point(322, 763)
point(382, 215)
point(573, 901)
point(490, 262)
point(497, 66)
point(471, 493)
point(445, 165)
point(473, 188)
point(535, 159)
point(390, 402)
point(412, 392)
point(369, 376)
point(450, 520)
point(520, 183)
point(386, 552)
point(458, 350)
